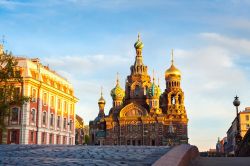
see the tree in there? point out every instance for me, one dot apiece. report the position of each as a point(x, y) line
point(86, 139)
point(11, 83)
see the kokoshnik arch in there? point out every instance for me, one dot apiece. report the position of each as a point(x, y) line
point(142, 115)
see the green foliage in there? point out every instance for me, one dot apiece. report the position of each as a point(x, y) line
point(86, 139)
point(11, 83)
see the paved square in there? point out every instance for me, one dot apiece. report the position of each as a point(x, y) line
point(80, 155)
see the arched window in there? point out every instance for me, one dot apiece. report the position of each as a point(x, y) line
point(14, 114)
point(33, 115)
point(137, 90)
point(45, 99)
point(44, 117)
point(179, 97)
point(58, 121)
point(173, 99)
point(51, 119)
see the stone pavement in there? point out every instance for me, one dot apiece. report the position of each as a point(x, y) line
point(80, 155)
point(221, 161)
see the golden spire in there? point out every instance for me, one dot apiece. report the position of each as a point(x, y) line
point(153, 76)
point(101, 91)
point(117, 78)
point(101, 100)
point(139, 37)
point(158, 81)
point(172, 55)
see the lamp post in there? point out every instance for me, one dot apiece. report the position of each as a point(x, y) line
point(238, 137)
point(69, 127)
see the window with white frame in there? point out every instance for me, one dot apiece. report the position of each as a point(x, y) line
point(64, 123)
point(45, 99)
point(44, 117)
point(14, 114)
point(58, 121)
point(70, 124)
point(33, 115)
point(51, 119)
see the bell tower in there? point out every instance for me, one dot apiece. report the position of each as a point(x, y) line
point(172, 101)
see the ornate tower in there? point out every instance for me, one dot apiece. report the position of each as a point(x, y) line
point(101, 104)
point(117, 94)
point(139, 80)
point(153, 95)
point(172, 102)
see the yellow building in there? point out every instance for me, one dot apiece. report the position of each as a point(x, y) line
point(244, 121)
point(49, 117)
point(244, 117)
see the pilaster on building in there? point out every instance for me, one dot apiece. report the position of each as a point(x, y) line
point(36, 121)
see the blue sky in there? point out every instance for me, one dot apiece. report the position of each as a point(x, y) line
point(88, 41)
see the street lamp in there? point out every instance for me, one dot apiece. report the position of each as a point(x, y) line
point(69, 127)
point(238, 137)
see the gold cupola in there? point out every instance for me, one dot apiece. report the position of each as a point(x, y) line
point(101, 100)
point(138, 44)
point(172, 71)
point(117, 93)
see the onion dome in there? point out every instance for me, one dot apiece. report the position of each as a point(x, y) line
point(154, 91)
point(117, 92)
point(172, 71)
point(138, 44)
point(101, 100)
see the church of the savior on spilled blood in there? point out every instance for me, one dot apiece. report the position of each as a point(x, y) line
point(142, 114)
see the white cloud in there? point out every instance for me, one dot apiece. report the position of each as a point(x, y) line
point(85, 64)
point(236, 45)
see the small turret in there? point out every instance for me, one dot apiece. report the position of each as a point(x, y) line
point(153, 95)
point(117, 94)
point(101, 104)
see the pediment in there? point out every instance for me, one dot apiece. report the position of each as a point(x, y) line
point(133, 110)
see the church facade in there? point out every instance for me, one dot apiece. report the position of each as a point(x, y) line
point(142, 114)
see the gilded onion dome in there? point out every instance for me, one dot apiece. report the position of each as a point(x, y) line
point(154, 91)
point(117, 92)
point(101, 100)
point(172, 71)
point(138, 44)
